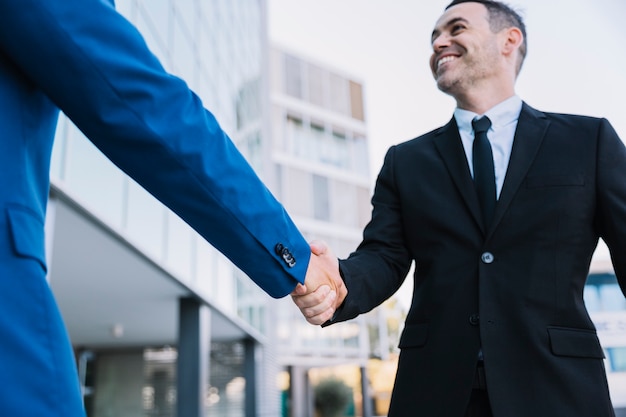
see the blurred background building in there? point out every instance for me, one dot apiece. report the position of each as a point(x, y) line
point(162, 324)
point(320, 166)
point(607, 307)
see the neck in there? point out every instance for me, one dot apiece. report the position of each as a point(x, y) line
point(480, 105)
point(483, 97)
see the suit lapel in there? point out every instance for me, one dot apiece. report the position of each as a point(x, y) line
point(450, 147)
point(531, 129)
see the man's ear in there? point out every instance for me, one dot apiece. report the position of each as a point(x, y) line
point(513, 39)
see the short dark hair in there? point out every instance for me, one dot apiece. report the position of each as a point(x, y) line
point(501, 16)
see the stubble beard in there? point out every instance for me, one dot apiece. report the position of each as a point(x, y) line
point(451, 84)
point(467, 75)
point(448, 86)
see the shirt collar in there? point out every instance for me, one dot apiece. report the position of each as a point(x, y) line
point(500, 115)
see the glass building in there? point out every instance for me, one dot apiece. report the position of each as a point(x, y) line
point(320, 165)
point(162, 324)
point(607, 308)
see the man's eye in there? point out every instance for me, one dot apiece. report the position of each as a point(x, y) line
point(457, 28)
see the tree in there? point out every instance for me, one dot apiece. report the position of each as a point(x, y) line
point(332, 396)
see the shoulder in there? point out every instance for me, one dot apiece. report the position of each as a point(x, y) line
point(569, 128)
point(426, 140)
point(562, 119)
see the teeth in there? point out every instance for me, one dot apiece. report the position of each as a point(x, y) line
point(444, 60)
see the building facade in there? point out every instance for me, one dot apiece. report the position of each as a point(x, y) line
point(607, 307)
point(161, 323)
point(320, 171)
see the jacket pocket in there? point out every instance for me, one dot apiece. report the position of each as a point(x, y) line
point(569, 180)
point(580, 343)
point(414, 335)
point(27, 234)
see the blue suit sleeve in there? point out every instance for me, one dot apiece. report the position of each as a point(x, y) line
point(95, 66)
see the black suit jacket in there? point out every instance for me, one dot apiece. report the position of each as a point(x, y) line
point(516, 288)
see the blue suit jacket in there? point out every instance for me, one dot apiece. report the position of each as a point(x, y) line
point(84, 58)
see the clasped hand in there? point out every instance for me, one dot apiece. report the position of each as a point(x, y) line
point(323, 290)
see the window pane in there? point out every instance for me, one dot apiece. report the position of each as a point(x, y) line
point(339, 96)
point(94, 179)
point(617, 357)
point(293, 76)
point(316, 86)
point(360, 155)
point(592, 298)
point(179, 249)
point(612, 298)
point(344, 202)
point(321, 207)
point(356, 100)
point(299, 192)
point(339, 150)
point(320, 143)
point(145, 220)
point(295, 133)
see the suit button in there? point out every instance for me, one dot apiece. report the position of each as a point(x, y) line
point(286, 254)
point(487, 257)
point(474, 319)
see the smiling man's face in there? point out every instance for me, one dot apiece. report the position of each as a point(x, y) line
point(466, 52)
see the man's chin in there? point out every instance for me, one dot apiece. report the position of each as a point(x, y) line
point(444, 85)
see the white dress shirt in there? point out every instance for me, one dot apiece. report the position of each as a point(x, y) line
point(504, 117)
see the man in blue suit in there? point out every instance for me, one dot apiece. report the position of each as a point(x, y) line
point(84, 58)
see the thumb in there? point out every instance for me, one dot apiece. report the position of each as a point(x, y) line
point(318, 247)
point(299, 290)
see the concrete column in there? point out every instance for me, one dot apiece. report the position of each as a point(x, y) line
point(300, 392)
point(365, 391)
point(193, 357)
point(250, 375)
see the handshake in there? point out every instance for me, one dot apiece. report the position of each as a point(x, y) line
point(323, 290)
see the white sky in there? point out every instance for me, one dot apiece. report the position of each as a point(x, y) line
point(576, 60)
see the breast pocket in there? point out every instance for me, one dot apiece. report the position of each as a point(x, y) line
point(555, 180)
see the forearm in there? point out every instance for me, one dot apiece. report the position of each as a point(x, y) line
point(95, 66)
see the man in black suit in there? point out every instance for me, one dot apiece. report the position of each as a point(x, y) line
point(497, 326)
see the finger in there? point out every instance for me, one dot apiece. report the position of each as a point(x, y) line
point(311, 308)
point(322, 317)
point(299, 290)
point(307, 299)
point(318, 247)
point(313, 299)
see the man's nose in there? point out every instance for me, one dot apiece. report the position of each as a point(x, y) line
point(440, 41)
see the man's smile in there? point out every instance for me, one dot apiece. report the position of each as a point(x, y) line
point(445, 60)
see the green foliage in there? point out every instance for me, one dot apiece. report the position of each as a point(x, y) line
point(332, 396)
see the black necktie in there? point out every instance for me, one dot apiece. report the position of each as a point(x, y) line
point(484, 176)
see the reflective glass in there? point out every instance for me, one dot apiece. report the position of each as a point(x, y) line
point(145, 220)
point(93, 179)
